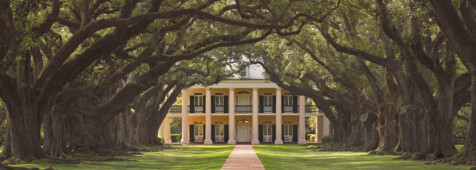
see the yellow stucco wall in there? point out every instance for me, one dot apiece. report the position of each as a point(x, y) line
point(293, 119)
point(196, 118)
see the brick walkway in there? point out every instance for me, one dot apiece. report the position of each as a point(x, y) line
point(243, 157)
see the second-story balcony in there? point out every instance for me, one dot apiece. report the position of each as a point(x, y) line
point(288, 109)
point(196, 109)
point(240, 109)
point(219, 109)
point(268, 109)
point(243, 109)
point(175, 109)
point(310, 109)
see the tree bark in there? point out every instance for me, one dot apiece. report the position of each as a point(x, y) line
point(25, 132)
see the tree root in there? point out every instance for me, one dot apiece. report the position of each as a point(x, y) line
point(16, 160)
point(383, 153)
point(5, 167)
point(461, 158)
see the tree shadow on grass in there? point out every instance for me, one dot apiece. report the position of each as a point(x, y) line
point(174, 157)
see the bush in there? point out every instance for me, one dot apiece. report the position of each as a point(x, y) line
point(176, 137)
point(161, 139)
point(312, 138)
point(326, 139)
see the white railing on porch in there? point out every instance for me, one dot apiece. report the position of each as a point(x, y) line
point(198, 109)
point(288, 109)
point(268, 109)
point(175, 109)
point(219, 109)
point(243, 108)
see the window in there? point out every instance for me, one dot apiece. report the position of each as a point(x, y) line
point(244, 72)
point(267, 130)
point(288, 100)
point(288, 130)
point(267, 100)
point(219, 130)
point(198, 130)
point(219, 100)
point(198, 101)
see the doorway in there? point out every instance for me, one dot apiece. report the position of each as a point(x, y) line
point(220, 133)
point(198, 132)
point(288, 133)
point(243, 132)
point(267, 133)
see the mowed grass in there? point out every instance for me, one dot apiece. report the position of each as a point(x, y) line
point(174, 157)
point(305, 157)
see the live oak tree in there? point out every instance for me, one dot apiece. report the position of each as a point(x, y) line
point(458, 26)
point(98, 76)
point(418, 96)
point(48, 45)
point(410, 78)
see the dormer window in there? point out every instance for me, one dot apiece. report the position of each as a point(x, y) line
point(244, 72)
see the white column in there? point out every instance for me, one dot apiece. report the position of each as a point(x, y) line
point(326, 127)
point(317, 129)
point(255, 139)
point(302, 121)
point(208, 117)
point(166, 123)
point(184, 117)
point(231, 117)
point(320, 127)
point(279, 121)
point(161, 128)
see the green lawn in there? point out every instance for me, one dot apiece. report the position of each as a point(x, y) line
point(302, 157)
point(272, 156)
point(176, 157)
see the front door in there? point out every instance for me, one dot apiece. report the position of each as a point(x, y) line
point(243, 132)
point(288, 133)
point(267, 133)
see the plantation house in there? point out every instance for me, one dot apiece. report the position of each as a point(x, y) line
point(244, 109)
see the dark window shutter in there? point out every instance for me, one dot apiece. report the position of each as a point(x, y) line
point(192, 104)
point(192, 137)
point(213, 133)
point(282, 132)
point(213, 104)
point(260, 133)
point(225, 104)
point(274, 133)
point(226, 133)
point(204, 104)
point(295, 104)
point(274, 105)
point(282, 104)
point(295, 131)
point(204, 131)
point(261, 110)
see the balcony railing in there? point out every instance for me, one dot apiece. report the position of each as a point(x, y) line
point(175, 109)
point(288, 109)
point(243, 108)
point(268, 109)
point(219, 109)
point(310, 109)
point(196, 109)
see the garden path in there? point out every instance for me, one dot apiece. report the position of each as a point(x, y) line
point(243, 157)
